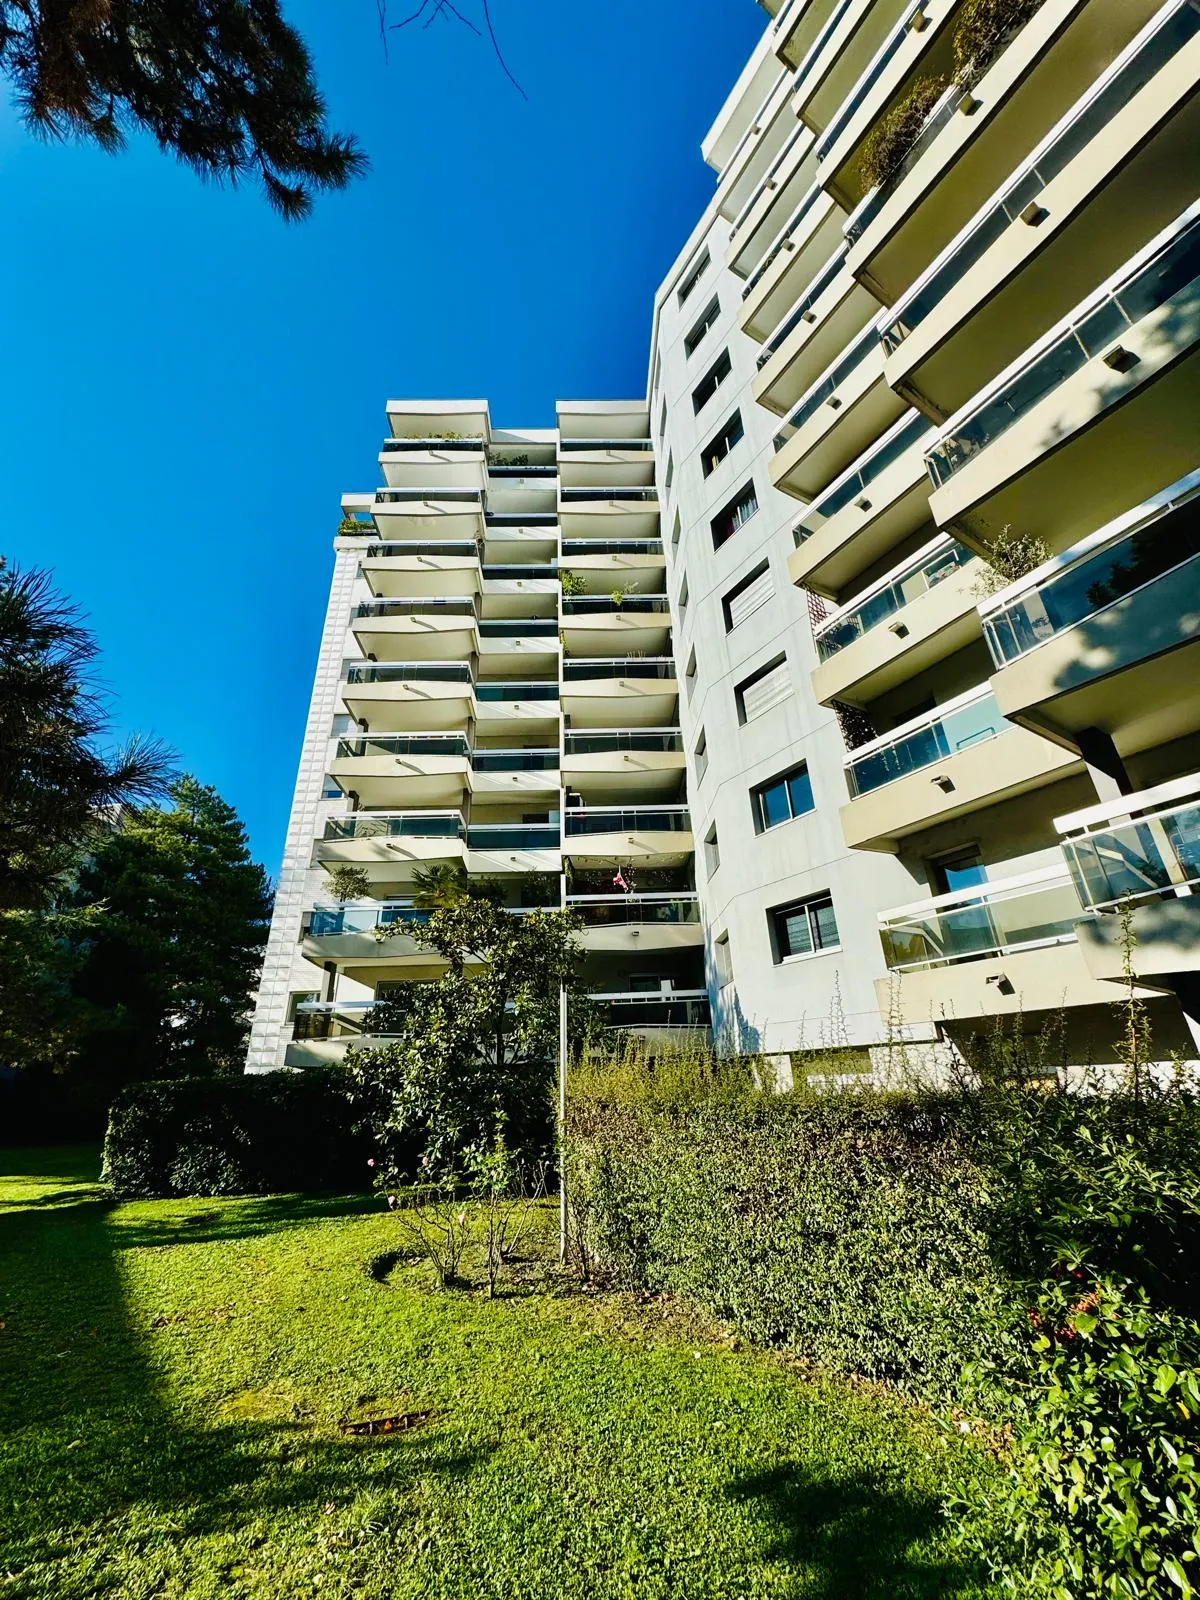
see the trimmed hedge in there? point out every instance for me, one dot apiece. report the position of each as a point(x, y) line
point(265, 1133)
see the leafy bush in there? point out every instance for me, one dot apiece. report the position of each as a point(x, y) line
point(984, 28)
point(893, 136)
point(273, 1132)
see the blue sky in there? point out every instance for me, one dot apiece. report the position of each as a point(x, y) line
point(190, 384)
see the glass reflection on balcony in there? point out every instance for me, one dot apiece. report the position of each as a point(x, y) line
point(656, 1008)
point(408, 671)
point(590, 604)
point(510, 836)
point(423, 606)
point(924, 572)
point(1039, 908)
point(803, 311)
point(516, 691)
point(331, 922)
point(906, 433)
point(1149, 856)
point(622, 910)
point(825, 388)
point(626, 667)
point(643, 819)
point(515, 760)
point(603, 742)
point(401, 744)
point(395, 825)
point(973, 719)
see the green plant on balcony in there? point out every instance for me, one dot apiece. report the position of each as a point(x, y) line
point(984, 29)
point(617, 597)
point(571, 582)
point(1010, 556)
point(890, 141)
point(511, 461)
point(346, 882)
point(349, 525)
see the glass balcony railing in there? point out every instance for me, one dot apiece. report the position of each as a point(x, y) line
point(397, 497)
point(1132, 70)
point(656, 1008)
point(396, 825)
point(518, 628)
point(503, 470)
point(853, 483)
point(825, 388)
point(1083, 583)
point(940, 116)
point(507, 836)
point(330, 922)
point(770, 178)
point(499, 571)
point(591, 604)
point(612, 547)
point(571, 496)
point(337, 1019)
point(970, 720)
point(1150, 852)
point(623, 910)
point(628, 667)
point(641, 819)
point(438, 547)
point(424, 606)
point(405, 446)
point(402, 744)
point(521, 519)
point(408, 672)
point(804, 310)
point(924, 572)
point(875, 69)
point(1148, 282)
point(652, 740)
point(645, 446)
point(795, 223)
point(1037, 909)
point(516, 691)
point(515, 760)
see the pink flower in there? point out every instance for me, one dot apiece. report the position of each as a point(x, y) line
point(371, 1161)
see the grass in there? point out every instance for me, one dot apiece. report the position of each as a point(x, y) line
point(173, 1376)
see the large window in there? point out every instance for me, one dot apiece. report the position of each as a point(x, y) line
point(770, 686)
point(782, 798)
point(694, 275)
point(695, 335)
point(711, 382)
point(803, 927)
point(755, 589)
point(734, 515)
point(718, 448)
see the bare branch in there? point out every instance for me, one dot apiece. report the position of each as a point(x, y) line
point(427, 14)
point(487, 17)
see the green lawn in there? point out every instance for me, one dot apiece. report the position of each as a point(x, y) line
point(173, 1375)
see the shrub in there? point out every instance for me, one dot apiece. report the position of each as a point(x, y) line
point(984, 28)
point(258, 1134)
point(893, 137)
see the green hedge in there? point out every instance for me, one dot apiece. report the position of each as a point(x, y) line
point(267, 1133)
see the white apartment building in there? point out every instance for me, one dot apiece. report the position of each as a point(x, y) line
point(924, 411)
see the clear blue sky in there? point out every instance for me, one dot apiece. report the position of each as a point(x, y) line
point(190, 384)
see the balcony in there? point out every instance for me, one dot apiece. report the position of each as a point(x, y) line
point(603, 565)
point(518, 647)
point(636, 922)
point(812, 233)
point(1098, 414)
point(524, 543)
point(1117, 169)
point(832, 314)
point(787, 179)
point(624, 511)
point(658, 836)
point(757, 150)
point(1143, 852)
point(601, 463)
point(443, 463)
point(971, 143)
point(839, 56)
point(409, 696)
point(528, 708)
point(422, 769)
point(880, 501)
point(604, 765)
point(447, 568)
point(992, 950)
point(915, 616)
point(1105, 635)
point(389, 844)
point(657, 1015)
point(401, 515)
point(418, 421)
point(797, 27)
point(409, 630)
point(594, 624)
point(943, 764)
point(353, 936)
point(638, 691)
point(513, 847)
point(841, 416)
point(322, 1032)
point(516, 772)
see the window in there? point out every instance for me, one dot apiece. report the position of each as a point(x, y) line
point(803, 928)
point(722, 960)
point(332, 790)
point(684, 596)
point(657, 372)
point(690, 673)
point(662, 423)
point(694, 275)
point(669, 476)
point(733, 515)
point(711, 382)
point(712, 853)
point(695, 336)
point(755, 589)
point(782, 798)
point(701, 757)
point(717, 449)
point(676, 529)
point(764, 689)
point(301, 997)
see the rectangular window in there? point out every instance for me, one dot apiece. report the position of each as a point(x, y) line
point(712, 851)
point(684, 596)
point(717, 449)
point(722, 960)
point(695, 336)
point(803, 927)
point(711, 382)
point(782, 798)
point(657, 372)
point(695, 273)
point(669, 475)
point(764, 689)
point(662, 425)
point(733, 515)
point(701, 757)
point(755, 589)
point(676, 530)
point(690, 673)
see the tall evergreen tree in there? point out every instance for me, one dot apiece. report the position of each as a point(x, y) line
point(170, 966)
point(226, 84)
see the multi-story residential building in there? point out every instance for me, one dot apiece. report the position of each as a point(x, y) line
point(925, 411)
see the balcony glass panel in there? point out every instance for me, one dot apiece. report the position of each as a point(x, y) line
point(416, 608)
point(656, 1010)
point(793, 227)
point(473, 497)
point(632, 667)
point(643, 445)
point(520, 519)
point(589, 604)
point(942, 114)
point(402, 744)
point(1148, 857)
point(500, 571)
point(1174, 266)
point(439, 547)
point(587, 744)
point(404, 446)
point(875, 70)
point(607, 494)
point(825, 387)
point(515, 760)
point(1091, 117)
point(988, 921)
point(393, 825)
point(516, 691)
point(503, 470)
point(612, 547)
point(344, 1020)
point(408, 671)
point(502, 836)
point(803, 311)
point(521, 628)
point(915, 580)
point(943, 735)
point(668, 819)
point(326, 922)
point(851, 484)
point(601, 911)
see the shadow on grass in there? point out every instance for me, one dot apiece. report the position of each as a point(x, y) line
point(246, 1217)
point(853, 1536)
point(89, 1450)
